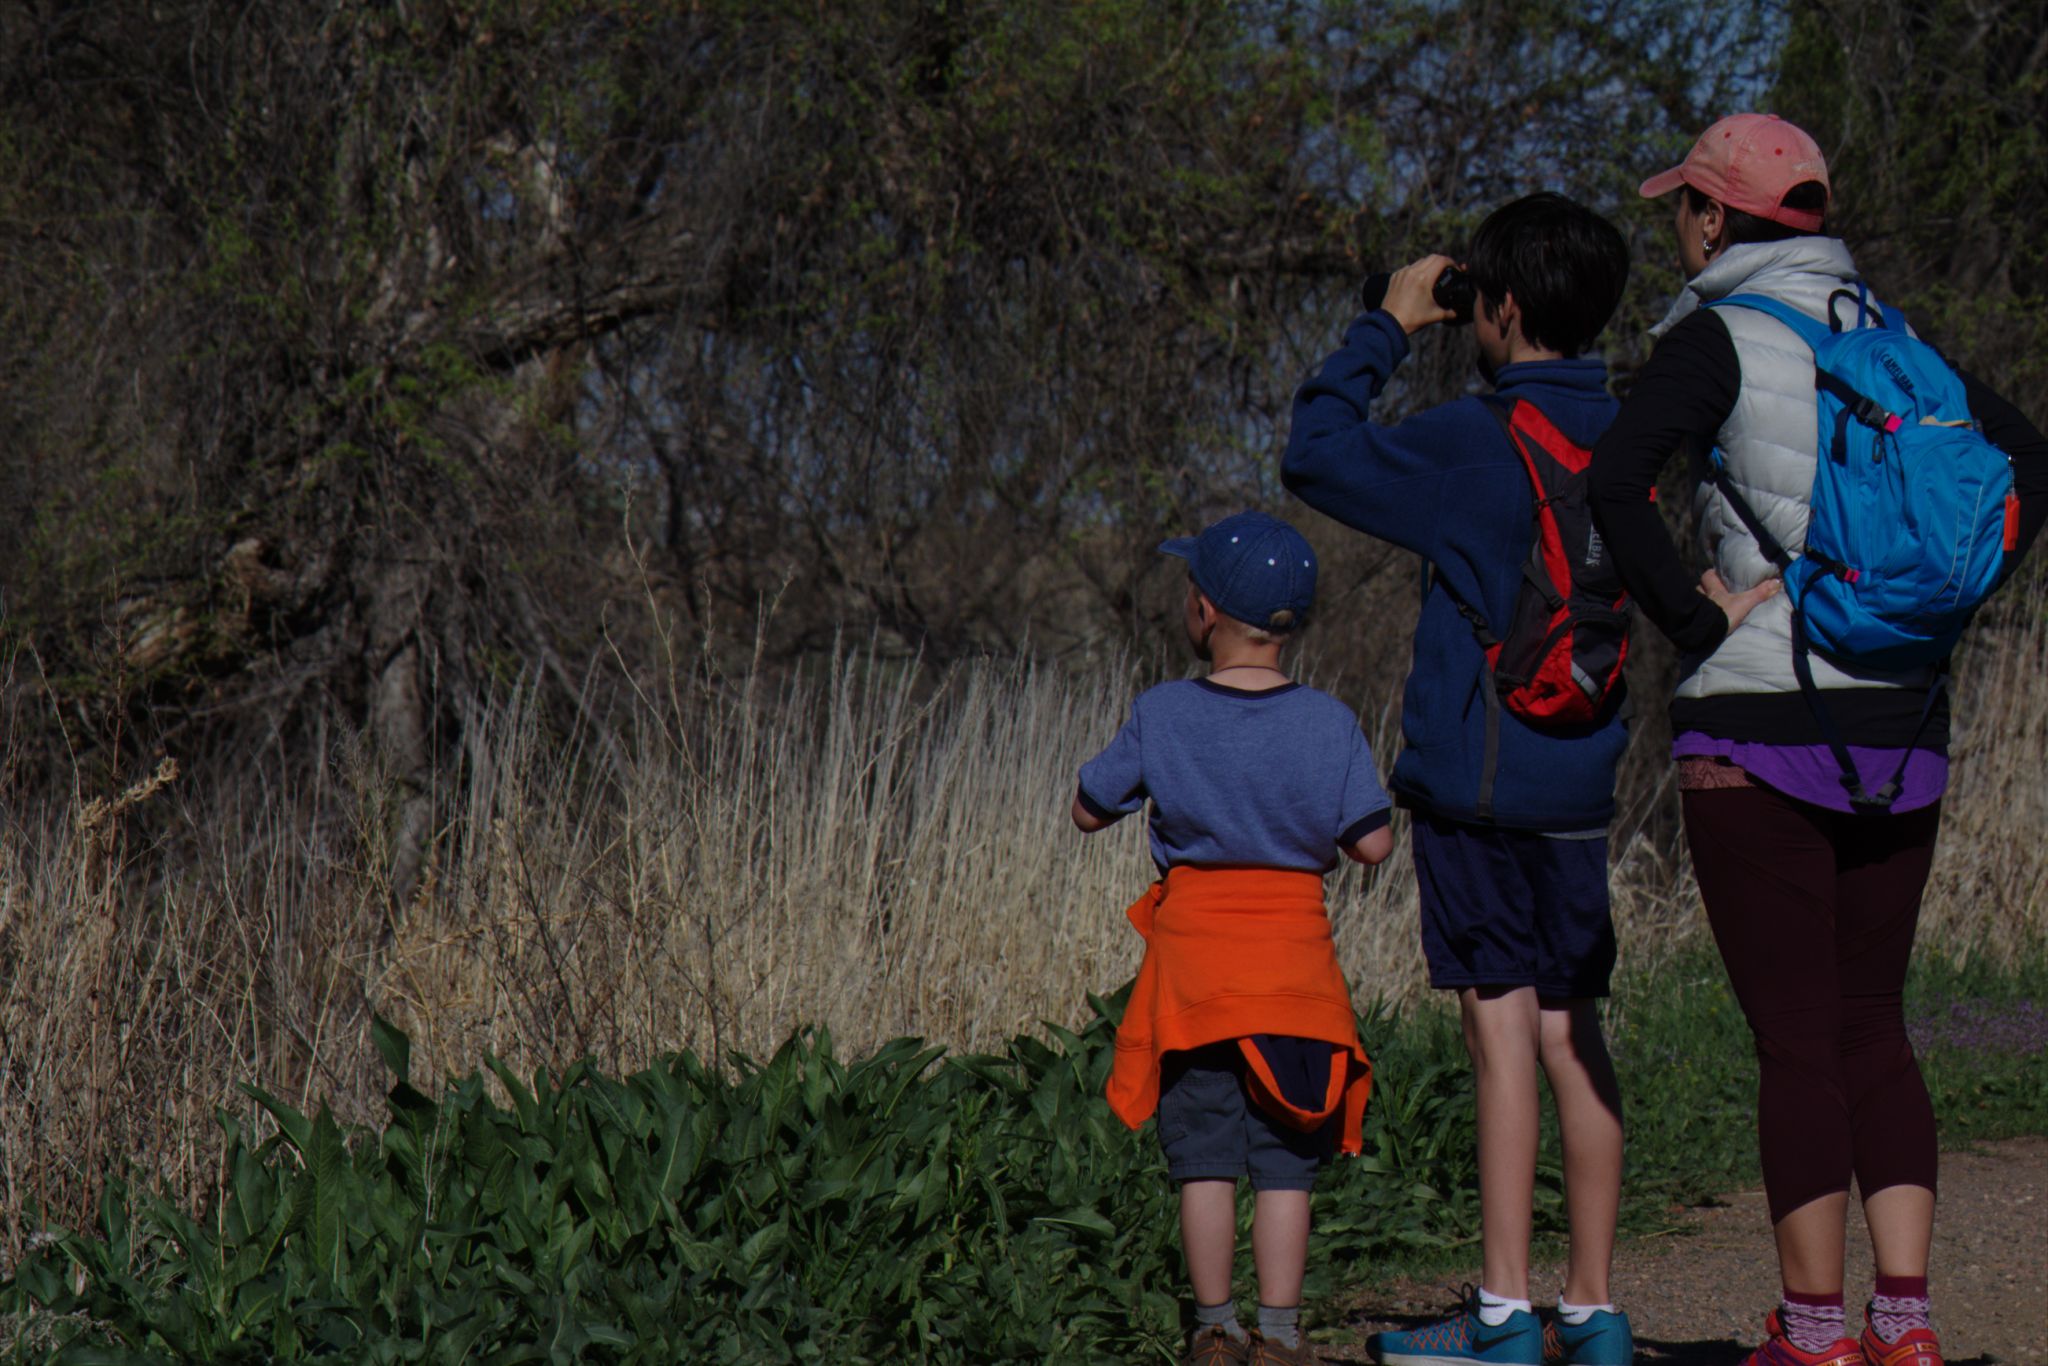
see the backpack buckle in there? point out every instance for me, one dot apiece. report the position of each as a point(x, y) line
point(1834, 568)
point(1873, 414)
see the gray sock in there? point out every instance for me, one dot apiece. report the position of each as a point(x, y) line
point(1281, 1325)
point(1222, 1316)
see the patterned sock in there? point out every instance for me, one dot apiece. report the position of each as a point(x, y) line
point(1222, 1316)
point(1576, 1314)
point(1494, 1310)
point(1899, 1306)
point(1813, 1322)
point(1281, 1325)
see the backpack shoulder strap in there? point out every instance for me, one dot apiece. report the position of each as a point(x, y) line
point(1522, 440)
point(1767, 544)
point(1503, 410)
point(1810, 331)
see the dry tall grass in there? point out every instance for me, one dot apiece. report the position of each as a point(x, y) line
point(876, 850)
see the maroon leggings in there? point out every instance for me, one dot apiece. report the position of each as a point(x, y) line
point(1814, 912)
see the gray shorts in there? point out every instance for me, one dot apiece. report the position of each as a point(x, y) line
point(1213, 1131)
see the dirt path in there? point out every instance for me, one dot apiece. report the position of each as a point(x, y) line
point(1696, 1296)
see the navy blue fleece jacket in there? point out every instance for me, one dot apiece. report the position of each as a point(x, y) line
point(1447, 484)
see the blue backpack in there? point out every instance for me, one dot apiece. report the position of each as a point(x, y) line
point(1911, 512)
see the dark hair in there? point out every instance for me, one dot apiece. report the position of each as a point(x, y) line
point(1737, 227)
point(1564, 264)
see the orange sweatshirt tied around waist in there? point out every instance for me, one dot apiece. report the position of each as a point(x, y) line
point(1231, 953)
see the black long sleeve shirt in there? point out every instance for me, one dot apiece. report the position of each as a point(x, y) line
point(1682, 397)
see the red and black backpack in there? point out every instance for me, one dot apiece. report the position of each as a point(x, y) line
point(1559, 662)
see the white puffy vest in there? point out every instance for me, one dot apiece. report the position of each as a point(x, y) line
point(1770, 443)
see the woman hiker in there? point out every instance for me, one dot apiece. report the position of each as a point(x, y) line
point(1811, 783)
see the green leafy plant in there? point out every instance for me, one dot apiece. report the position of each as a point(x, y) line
point(973, 1208)
point(906, 1205)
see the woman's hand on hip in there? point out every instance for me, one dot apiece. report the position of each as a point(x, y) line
point(1734, 605)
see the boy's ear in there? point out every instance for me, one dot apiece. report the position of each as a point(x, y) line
point(1507, 315)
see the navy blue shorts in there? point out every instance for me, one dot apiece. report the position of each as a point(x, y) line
point(1513, 908)
point(1212, 1130)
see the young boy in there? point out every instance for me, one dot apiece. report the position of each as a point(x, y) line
point(1510, 818)
point(1240, 1030)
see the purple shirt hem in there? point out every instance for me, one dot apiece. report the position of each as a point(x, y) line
point(1810, 774)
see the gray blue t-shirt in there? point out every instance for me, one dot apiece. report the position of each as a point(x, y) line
point(1275, 779)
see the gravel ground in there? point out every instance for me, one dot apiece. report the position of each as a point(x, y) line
point(1696, 1295)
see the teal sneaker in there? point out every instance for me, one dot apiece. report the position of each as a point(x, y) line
point(1602, 1340)
point(1461, 1340)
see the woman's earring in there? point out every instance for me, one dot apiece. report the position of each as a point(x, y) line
point(1706, 247)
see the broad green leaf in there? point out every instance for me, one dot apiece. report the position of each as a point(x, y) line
point(392, 1046)
point(1086, 1220)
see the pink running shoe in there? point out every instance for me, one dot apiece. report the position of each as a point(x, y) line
point(1779, 1351)
point(1915, 1347)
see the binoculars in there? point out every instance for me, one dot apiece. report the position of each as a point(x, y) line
point(1453, 290)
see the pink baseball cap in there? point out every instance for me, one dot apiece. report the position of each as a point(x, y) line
point(1750, 162)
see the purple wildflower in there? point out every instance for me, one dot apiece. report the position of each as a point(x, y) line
point(2019, 1029)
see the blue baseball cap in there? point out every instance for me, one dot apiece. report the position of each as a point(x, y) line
point(1253, 566)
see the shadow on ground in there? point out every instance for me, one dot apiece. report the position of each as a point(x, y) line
point(1649, 1351)
point(1728, 1352)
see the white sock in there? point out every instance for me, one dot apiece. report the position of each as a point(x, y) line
point(1222, 1316)
point(1281, 1324)
point(1494, 1311)
point(1576, 1314)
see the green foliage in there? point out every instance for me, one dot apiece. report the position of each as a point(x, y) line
point(1687, 1069)
point(951, 1209)
point(979, 1208)
point(1981, 1034)
point(1687, 1065)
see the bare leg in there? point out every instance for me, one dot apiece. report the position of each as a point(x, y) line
point(1501, 1033)
point(1589, 1121)
point(1280, 1246)
point(1901, 1222)
point(1208, 1234)
point(1810, 1245)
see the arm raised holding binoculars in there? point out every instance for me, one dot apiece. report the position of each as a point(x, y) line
point(1404, 482)
point(1413, 291)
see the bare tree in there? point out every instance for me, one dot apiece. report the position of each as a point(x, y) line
point(361, 358)
point(1934, 115)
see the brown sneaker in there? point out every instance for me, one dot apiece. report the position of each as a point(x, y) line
point(1214, 1347)
point(1265, 1353)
